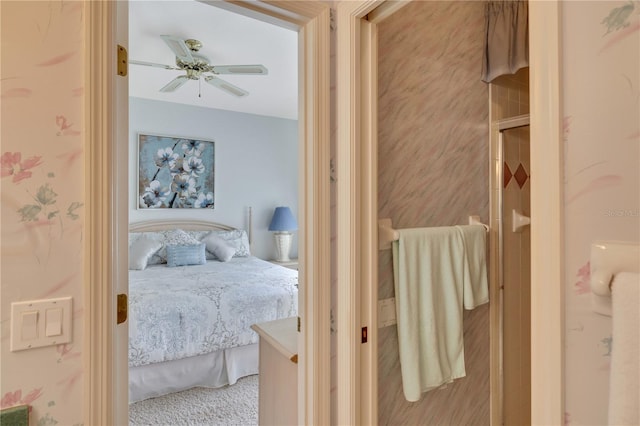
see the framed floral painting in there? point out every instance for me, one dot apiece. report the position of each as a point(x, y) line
point(175, 173)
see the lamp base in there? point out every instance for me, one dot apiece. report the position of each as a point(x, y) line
point(283, 246)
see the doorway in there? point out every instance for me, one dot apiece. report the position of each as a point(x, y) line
point(107, 204)
point(357, 213)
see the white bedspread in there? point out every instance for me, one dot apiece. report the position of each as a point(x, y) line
point(185, 311)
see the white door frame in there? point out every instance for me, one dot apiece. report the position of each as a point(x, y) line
point(357, 211)
point(107, 204)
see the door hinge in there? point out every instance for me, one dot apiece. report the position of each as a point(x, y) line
point(122, 308)
point(298, 324)
point(122, 61)
point(364, 334)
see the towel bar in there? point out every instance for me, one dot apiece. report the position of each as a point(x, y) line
point(607, 259)
point(386, 233)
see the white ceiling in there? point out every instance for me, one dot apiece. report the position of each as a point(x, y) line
point(228, 39)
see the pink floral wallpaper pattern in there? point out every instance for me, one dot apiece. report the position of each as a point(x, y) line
point(601, 94)
point(42, 193)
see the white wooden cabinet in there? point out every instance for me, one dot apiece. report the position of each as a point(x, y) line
point(278, 394)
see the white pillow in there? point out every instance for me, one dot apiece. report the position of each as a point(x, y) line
point(219, 247)
point(238, 239)
point(141, 250)
point(157, 236)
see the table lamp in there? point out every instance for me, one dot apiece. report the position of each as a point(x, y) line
point(283, 223)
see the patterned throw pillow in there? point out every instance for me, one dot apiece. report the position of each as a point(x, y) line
point(182, 255)
point(175, 237)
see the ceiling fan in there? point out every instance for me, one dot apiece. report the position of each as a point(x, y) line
point(196, 66)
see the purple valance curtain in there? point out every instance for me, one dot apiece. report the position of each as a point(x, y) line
point(507, 38)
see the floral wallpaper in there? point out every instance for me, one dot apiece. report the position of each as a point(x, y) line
point(601, 93)
point(42, 197)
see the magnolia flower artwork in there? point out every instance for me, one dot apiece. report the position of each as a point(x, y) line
point(175, 173)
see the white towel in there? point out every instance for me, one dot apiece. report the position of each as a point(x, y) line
point(432, 272)
point(476, 287)
point(624, 397)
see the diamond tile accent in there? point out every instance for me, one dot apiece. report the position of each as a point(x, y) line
point(521, 176)
point(507, 174)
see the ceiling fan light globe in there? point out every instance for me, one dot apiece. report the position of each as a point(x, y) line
point(193, 45)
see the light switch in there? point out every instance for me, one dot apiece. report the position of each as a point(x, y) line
point(53, 322)
point(29, 325)
point(37, 323)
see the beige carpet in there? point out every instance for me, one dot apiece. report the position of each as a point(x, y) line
point(235, 405)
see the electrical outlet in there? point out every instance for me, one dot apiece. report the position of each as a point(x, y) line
point(386, 312)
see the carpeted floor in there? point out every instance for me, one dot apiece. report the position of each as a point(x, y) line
point(235, 405)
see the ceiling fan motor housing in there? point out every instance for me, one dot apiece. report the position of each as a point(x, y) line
point(195, 65)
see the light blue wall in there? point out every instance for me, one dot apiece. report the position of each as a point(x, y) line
point(256, 164)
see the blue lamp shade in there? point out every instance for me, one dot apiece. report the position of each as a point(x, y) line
point(283, 220)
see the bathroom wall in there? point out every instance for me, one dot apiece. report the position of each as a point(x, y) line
point(43, 198)
point(433, 164)
point(601, 94)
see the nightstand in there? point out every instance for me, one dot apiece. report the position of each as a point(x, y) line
point(291, 264)
point(278, 365)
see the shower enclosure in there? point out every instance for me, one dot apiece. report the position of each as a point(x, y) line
point(510, 271)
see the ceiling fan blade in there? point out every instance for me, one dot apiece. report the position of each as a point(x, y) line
point(178, 47)
point(226, 86)
point(175, 84)
point(240, 69)
point(152, 64)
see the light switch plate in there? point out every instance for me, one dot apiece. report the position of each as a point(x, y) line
point(29, 336)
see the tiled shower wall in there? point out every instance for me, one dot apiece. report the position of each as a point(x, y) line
point(510, 95)
point(433, 171)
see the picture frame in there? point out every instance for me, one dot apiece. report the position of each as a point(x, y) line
point(175, 172)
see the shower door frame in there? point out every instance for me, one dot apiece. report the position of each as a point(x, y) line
point(356, 211)
point(496, 272)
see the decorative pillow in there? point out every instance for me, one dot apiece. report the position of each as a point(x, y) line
point(181, 255)
point(157, 236)
point(141, 251)
point(133, 236)
point(198, 235)
point(222, 250)
point(175, 237)
point(237, 239)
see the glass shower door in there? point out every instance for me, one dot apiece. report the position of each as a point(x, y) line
point(516, 276)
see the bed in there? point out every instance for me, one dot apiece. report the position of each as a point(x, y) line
point(190, 314)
